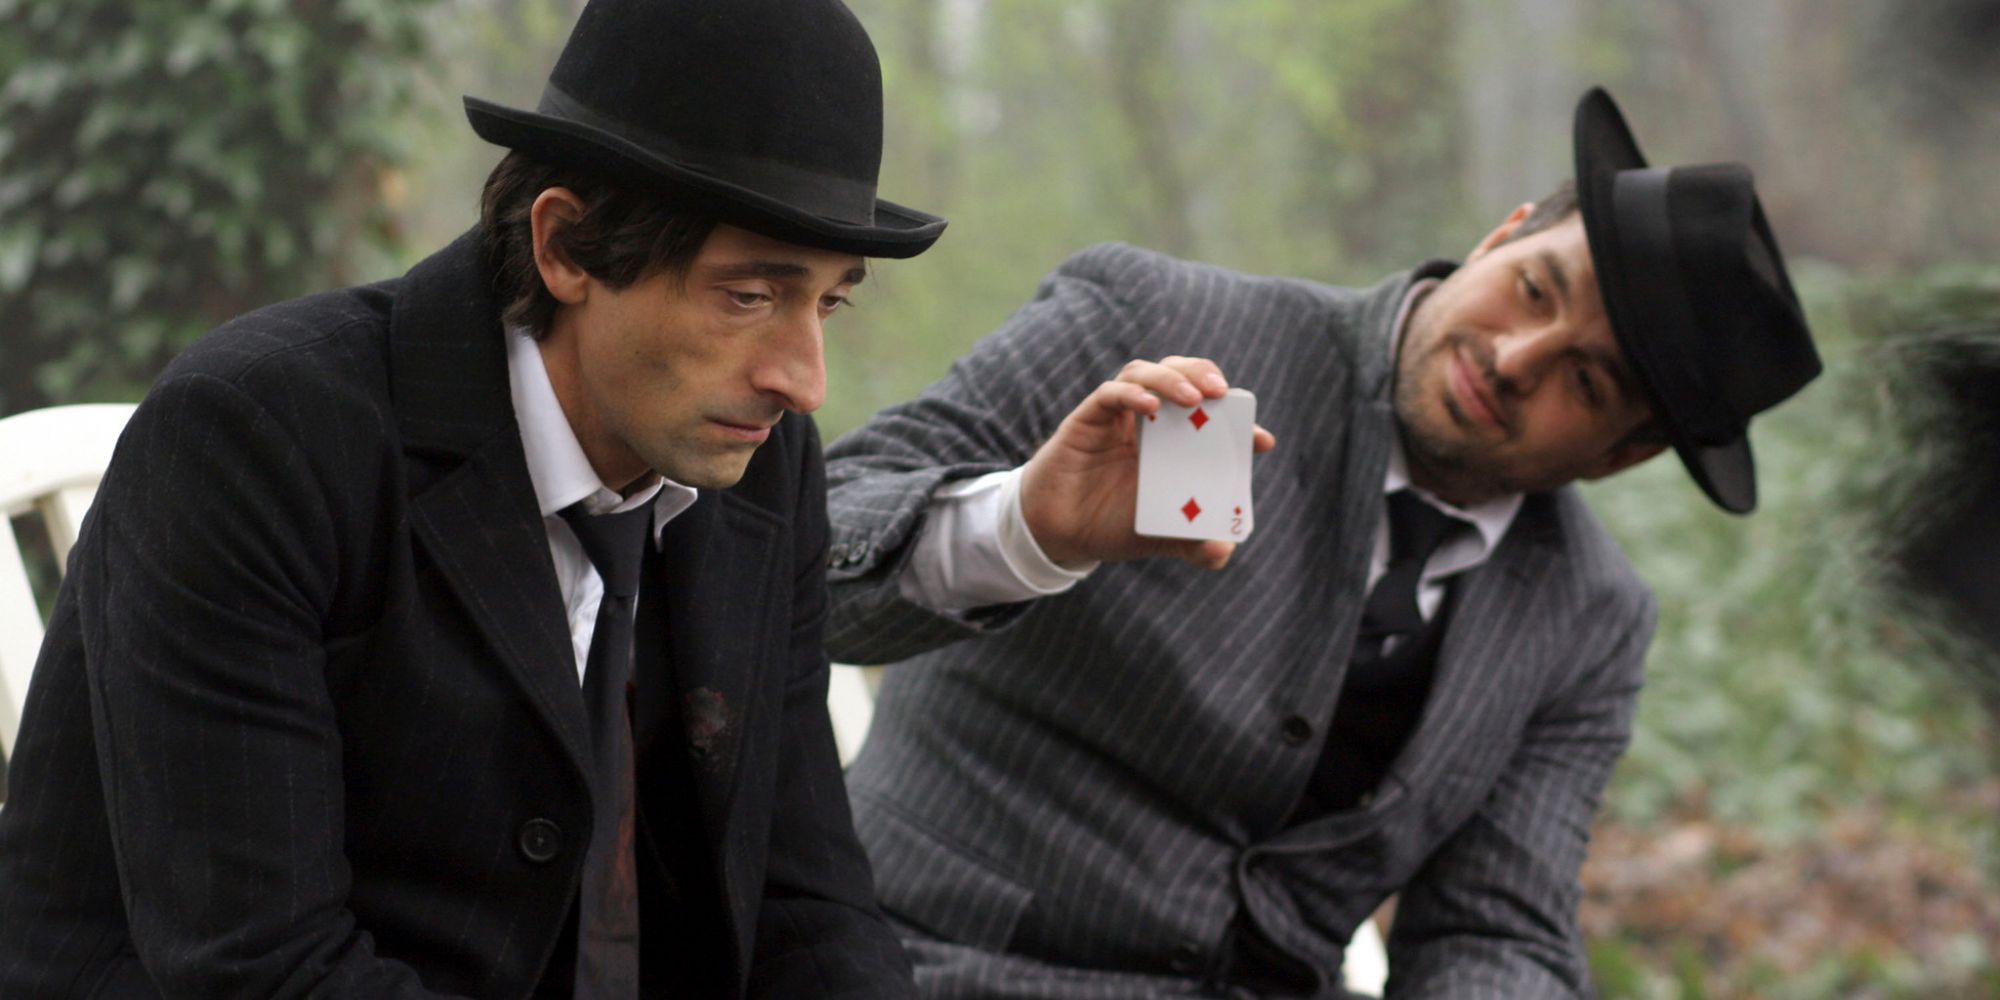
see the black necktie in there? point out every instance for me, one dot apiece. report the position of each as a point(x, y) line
point(1416, 529)
point(607, 945)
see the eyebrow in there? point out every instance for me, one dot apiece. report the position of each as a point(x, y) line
point(779, 270)
point(1557, 275)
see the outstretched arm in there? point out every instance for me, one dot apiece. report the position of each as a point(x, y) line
point(1052, 392)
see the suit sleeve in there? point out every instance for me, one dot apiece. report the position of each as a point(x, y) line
point(205, 584)
point(991, 411)
point(819, 930)
point(1492, 913)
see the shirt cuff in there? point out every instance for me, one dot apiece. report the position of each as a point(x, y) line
point(1024, 555)
point(975, 550)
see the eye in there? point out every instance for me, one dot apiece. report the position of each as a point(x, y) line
point(745, 300)
point(1530, 290)
point(829, 303)
point(1587, 384)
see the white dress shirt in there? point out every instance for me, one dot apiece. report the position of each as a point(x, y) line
point(562, 475)
point(975, 549)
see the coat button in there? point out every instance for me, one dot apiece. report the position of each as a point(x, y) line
point(1186, 959)
point(540, 841)
point(1295, 730)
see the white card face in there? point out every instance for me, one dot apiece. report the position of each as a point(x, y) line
point(1194, 469)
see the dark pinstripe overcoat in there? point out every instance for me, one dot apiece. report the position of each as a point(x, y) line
point(307, 719)
point(1073, 797)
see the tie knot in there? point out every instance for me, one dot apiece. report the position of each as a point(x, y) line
point(1416, 528)
point(615, 543)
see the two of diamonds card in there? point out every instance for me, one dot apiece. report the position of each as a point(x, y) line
point(1194, 469)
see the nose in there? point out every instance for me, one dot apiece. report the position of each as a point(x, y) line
point(1520, 357)
point(792, 368)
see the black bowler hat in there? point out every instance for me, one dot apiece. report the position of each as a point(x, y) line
point(1696, 290)
point(770, 111)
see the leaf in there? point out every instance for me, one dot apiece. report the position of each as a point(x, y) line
point(202, 39)
point(131, 277)
point(19, 245)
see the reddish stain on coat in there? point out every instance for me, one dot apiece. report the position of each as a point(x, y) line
point(707, 716)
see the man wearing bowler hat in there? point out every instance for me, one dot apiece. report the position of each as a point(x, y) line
point(461, 634)
point(1106, 772)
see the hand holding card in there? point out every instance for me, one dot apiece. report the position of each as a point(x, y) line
point(1080, 490)
point(1194, 469)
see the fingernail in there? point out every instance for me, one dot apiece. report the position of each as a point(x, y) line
point(1215, 382)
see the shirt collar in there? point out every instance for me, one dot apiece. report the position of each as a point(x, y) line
point(1492, 517)
point(557, 466)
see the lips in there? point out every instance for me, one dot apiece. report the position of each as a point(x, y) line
point(749, 433)
point(1473, 392)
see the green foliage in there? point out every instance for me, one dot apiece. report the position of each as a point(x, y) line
point(164, 166)
point(1799, 685)
point(1316, 140)
point(1938, 367)
point(499, 50)
point(1617, 971)
point(1783, 681)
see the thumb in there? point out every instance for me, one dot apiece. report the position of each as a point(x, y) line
point(1210, 555)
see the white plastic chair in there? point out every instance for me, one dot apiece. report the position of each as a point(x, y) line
point(851, 703)
point(1366, 965)
point(50, 462)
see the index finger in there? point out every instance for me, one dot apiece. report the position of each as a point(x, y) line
point(1186, 381)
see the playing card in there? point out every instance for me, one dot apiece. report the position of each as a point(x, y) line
point(1194, 469)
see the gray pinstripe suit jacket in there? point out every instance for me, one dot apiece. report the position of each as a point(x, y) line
point(1072, 797)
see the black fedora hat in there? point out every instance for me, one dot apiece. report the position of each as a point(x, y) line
point(1697, 294)
point(767, 111)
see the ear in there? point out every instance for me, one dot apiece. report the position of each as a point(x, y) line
point(1502, 231)
point(555, 208)
point(1620, 458)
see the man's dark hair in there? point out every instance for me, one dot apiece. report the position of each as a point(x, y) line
point(1554, 207)
point(626, 233)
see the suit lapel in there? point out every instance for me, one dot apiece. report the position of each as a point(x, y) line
point(715, 573)
point(473, 507)
point(494, 553)
point(699, 683)
point(1364, 442)
point(1483, 667)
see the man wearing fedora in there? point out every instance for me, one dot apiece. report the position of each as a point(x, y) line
point(461, 634)
point(1107, 772)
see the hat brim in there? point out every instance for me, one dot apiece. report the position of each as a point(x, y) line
point(1724, 470)
point(897, 232)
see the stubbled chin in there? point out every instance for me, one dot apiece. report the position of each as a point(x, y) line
point(1442, 438)
point(716, 471)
